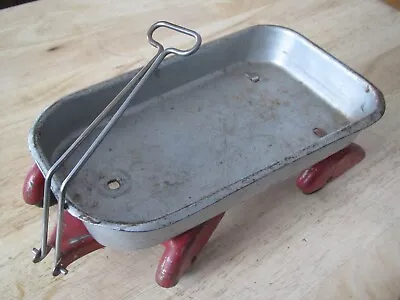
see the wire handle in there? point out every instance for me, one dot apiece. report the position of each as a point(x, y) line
point(133, 85)
point(179, 29)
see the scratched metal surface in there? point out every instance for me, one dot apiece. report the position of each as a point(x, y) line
point(201, 128)
point(197, 139)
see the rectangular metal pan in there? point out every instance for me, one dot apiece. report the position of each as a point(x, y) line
point(204, 133)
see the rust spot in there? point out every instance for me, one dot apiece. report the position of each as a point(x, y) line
point(319, 132)
point(367, 89)
point(51, 49)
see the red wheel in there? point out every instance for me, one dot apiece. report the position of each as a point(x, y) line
point(317, 176)
point(32, 189)
point(76, 241)
point(182, 250)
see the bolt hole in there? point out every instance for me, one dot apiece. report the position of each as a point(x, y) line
point(113, 184)
point(319, 132)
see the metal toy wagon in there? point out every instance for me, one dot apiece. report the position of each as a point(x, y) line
point(158, 155)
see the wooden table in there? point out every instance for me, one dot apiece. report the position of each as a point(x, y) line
point(340, 243)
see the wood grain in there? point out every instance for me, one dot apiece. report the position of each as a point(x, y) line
point(340, 243)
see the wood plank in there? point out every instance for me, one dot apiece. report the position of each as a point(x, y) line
point(340, 243)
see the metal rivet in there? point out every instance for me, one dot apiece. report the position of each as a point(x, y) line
point(319, 132)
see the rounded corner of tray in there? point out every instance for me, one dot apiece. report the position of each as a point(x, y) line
point(381, 104)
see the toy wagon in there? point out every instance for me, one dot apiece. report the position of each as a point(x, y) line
point(158, 155)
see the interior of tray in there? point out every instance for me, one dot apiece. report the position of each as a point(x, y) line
point(192, 133)
point(167, 153)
